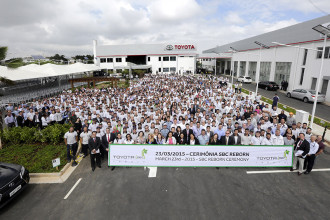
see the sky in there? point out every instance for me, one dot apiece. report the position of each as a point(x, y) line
point(46, 27)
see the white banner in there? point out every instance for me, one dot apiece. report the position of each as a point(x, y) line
point(200, 156)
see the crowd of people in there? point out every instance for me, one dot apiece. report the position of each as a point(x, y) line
point(168, 109)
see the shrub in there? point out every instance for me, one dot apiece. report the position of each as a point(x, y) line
point(53, 134)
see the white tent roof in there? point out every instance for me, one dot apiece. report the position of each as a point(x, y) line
point(34, 71)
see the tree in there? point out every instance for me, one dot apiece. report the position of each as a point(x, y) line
point(3, 53)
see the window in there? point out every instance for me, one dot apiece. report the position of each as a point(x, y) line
point(165, 70)
point(103, 60)
point(305, 56)
point(320, 51)
point(159, 58)
point(302, 76)
point(148, 59)
point(173, 69)
point(118, 60)
point(166, 58)
point(172, 58)
point(109, 60)
point(313, 86)
point(159, 70)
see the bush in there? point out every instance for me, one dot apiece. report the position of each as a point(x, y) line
point(53, 134)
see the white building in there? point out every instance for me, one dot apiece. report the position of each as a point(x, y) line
point(298, 64)
point(157, 58)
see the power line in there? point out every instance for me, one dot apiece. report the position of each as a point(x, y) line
point(315, 6)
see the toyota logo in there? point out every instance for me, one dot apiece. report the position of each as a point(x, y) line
point(11, 184)
point(169, 47)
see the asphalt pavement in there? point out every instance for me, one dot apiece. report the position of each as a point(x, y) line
point(177, 193)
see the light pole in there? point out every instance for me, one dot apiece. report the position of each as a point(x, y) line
point(259, 63)
point(324, 29)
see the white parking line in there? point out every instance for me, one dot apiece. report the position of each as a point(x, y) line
point(152, 172)
point(284, 171)
point(74, 186)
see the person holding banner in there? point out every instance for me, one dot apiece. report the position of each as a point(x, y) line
point(268, 140)
point(94, 144)
point(170, 139)
point(302, 147)
point(214, 140)
point(140, 139)
point(151, 139)
point(246, 138)
point(181, 140)
point(160, 139)
point(256, 140)
point(227, 139)
point(310, 158)
point(129, 139)
point(193, 140)
point(203, 138)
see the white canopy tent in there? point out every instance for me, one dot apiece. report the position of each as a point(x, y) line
point(34, 71)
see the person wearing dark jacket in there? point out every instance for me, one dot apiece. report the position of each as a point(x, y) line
point(106, 139)
point(181, 140)
point(193, 140)
point(301, 150)
point(37, 120)
point(214, 140)
point(20, 119)
point(227, 139)
point(94, 144)
point(187, 132)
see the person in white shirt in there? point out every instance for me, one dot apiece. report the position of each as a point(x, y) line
point(119, 139)
point(44, 121)
point(256, 140)
point(314, 147)
point(70, 139)
point(128, 139)
point(267, 140)
point(246, 138)
point(277, 139)
point(84, 137)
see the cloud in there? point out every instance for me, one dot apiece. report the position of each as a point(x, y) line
point(68, 27)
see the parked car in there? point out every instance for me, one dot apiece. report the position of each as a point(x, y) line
point(13, 179)
point(268, 85)
point(244, 79)
point(306, 95)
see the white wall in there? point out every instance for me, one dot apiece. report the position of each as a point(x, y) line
point(295, 56)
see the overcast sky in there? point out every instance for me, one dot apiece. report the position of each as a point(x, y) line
point(69, 26)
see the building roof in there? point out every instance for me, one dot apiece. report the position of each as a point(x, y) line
point(295, 34)
point(213, 55)
point(143, 49)
point(34, 71)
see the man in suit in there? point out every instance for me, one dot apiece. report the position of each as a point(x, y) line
point(94, 144)
point(194, 108)
point(236, 139)
point(187, 132)
point(106, 139)
point(37, 120)
point(226, 140)
point(302, 147)
point(20, 119)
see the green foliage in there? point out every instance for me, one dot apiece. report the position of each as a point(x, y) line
point(36, 158)
point(58, 57)
point(3, 52)
point(15, 63)
point(53, 134)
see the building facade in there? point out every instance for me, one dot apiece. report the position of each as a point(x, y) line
point(156, 58)
point(291, 54)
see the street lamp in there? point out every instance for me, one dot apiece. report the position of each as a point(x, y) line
point(232, 66)
point(324, 29)
point(259, 63)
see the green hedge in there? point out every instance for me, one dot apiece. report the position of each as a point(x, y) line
point(52, 134)
point(37, 158)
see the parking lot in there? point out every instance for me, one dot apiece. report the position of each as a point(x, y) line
point(178, 193)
